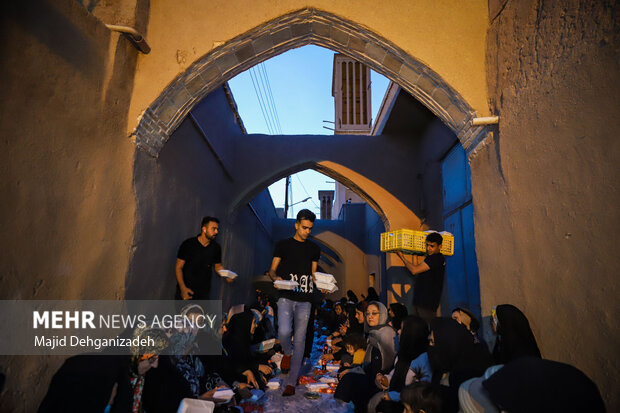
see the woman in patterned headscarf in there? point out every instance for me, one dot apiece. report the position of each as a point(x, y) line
point(181, 374)
point(89, 382)
point(144, 358)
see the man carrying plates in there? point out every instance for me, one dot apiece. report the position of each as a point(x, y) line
point(295, 259)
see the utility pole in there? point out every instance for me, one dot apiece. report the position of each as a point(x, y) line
point(288, 182)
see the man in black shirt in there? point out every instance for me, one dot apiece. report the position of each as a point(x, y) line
point(428, 278)
point(295, 259)
point(196, 259)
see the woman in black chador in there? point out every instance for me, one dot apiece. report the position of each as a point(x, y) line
point(514, 335)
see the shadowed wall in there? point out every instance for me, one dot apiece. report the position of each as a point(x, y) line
point(66, 164)
point(545, 188)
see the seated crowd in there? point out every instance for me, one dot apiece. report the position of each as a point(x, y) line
point(390, 361)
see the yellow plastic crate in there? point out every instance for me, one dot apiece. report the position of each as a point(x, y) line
point(414, 242)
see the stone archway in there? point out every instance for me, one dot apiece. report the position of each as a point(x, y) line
point(303, 27)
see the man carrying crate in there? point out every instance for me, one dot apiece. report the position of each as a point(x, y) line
point(428, 277)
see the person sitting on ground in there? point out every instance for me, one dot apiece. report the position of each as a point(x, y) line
point(514, 335)
point(338, 351)
point(339, 319)
point(452, 352)
point(355, 345)
point(265, 332)
point(237, 342)
point(397, 313)
point(181, 374)
point(357, 385)
point(419, 370)
point(421, 398)
point(531, 384)
point(352, 297)
point(371, 296)
point(339, 328)
point(413, 341)
point(265, 329)
point(356, 325)
point(468, 319)
point(91, 382)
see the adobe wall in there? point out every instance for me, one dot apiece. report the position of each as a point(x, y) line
point(545, 188)
point(66, 164)
point(180, 32)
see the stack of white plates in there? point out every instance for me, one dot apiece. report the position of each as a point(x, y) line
point(285, 284)
point(325, 282)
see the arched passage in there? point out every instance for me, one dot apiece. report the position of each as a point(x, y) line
point(392, 212)
point(296, 29)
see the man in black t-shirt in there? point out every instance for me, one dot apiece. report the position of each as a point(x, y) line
point(196, 259)
point(295, 259)
point(428, 278)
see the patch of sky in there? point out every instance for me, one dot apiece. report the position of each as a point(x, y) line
point(291, 94)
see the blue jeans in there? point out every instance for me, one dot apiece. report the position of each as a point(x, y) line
point(300, 312)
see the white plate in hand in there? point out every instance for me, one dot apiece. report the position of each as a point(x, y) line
point(324, 277)
point(227, 274)
point(329, 287)
point(285, 284)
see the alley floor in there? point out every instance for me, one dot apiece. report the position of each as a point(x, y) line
point(274, 402)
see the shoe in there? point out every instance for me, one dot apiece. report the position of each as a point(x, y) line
point(285, 364)
point(288, 391)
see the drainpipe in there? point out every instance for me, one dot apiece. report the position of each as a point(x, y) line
point(489, 120)
point(136, 39)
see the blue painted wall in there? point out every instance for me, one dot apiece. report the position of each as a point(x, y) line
point(462, 288)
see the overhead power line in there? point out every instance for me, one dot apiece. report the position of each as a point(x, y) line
point(273, 103)
point(306, 191)
point(264, 94)
point(261, 102)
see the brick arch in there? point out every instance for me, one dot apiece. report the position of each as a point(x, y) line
point(300, 28)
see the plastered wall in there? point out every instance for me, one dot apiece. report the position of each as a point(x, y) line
point(185, 183)
point(545, 189)
point(436, 33)
point(66, 164)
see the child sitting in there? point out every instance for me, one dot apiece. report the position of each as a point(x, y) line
point(355, 345)
point(421, 398)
